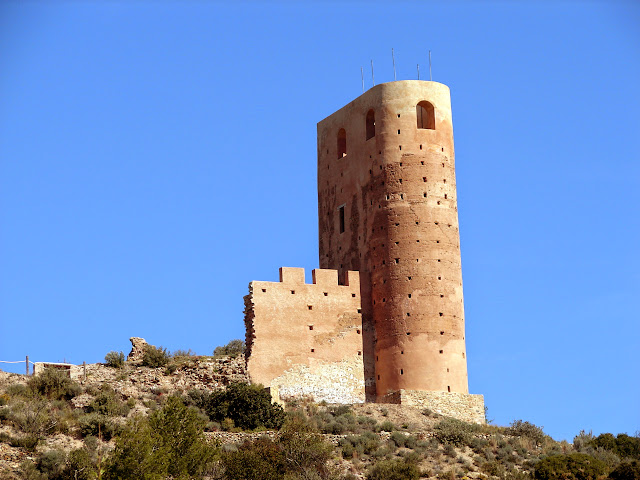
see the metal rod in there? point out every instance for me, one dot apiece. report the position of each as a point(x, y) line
point(27, 364)
point(430, 77)
point(362, 77)
point(373, 80)
point(394, 65)
point(418, 65)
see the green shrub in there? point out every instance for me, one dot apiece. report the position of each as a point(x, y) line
point(54, 384)
point(387, 426)
point(108, 402)
point(231, 349)
point(626, 471)
point(51, 463)
point(80, 466)
point(400, 439)
point(98, 425)
point(623, 445)
point(396, 469)
point(248, 406)
point(450, 431)
point(170, 442)
point(261, 459)
point(154, 356)
point(520, 428)
point(114, 359)
point(575, 466)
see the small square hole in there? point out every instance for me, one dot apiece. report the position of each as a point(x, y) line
point(408, 333)
point(359, 352)
point(408, 314)
point(313, 350)
point(353, 295)
point(326, 293)
point(310, 307)
point(397, 260)
point(264, 290)
point(358, 331)
point(440, 313)
point(359, 310)
point(440, 351)
point(310, 327)
point(441, 332)
point(409, 295)
point(398, 115)
point(293, 292)
point(424, 179)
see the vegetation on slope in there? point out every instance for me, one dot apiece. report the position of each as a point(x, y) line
point(112, 436)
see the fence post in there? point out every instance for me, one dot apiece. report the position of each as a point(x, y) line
point(26, 362)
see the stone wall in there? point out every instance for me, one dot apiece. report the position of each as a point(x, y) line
point(306, 339)
point(465, 407)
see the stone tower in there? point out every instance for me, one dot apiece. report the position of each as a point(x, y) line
point(387, 208)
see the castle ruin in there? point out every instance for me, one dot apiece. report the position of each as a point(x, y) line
point(383, 320)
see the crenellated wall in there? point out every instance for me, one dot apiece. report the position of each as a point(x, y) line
point(306, 339)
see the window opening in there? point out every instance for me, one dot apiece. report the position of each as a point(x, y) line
point(371, 124)
point(448, 388)
point(342, 143)
point(341, 211)
point(293, 292)
point(264, 289)
point(310, 307)
point(401, 371)
point(426, 115)
point(310, 327)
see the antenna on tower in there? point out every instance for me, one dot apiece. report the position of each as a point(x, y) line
point(362, 77)
point(394, 65)
point(418, 66)
point(373, 80)
point(430, 78)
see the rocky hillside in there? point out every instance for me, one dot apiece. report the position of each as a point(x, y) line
point(131, 419)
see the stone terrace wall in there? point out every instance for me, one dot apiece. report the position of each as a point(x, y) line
point(306, 339)
point(466, 407)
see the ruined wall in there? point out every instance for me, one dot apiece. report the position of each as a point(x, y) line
point(387, 207)
point(306, 339)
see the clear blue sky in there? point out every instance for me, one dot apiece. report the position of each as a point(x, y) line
point(157, 157)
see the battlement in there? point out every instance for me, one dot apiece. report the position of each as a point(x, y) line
point(306, 339)
point(321, 277)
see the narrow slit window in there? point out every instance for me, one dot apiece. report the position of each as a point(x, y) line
point(401, 371)
point(371, 124)
point(342, 143)
point(448, 388)
point(426, 115)
point(341, 215)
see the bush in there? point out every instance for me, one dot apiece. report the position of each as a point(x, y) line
point(575, 466)
point(248, 406)
point(387, 426)
point(154, 356)
point(519, 428)
point(450, 431)
point(97, 425)
point(626, 471)
point(54, 384)
point(170, 442)
point(51, 463)
point(231, 349)
point(623, 445)
point(396, 469)
point(114, 359)
point(108, 402)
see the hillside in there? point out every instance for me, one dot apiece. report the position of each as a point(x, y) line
point(194, 417)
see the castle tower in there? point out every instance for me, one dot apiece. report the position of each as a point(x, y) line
point(387, 208)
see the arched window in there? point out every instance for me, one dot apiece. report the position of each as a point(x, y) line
point(342, 143)
point(371, 124)
point(426, 115)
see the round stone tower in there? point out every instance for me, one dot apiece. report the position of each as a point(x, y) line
point(387, 207)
